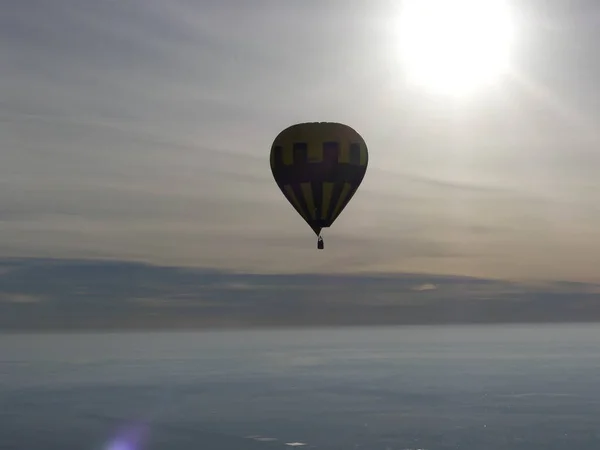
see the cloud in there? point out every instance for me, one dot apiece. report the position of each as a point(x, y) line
point(425, 287)
point(153, 302)
point(11, 297)
point(74, 294)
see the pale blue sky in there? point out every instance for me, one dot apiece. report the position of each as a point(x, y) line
point(141, 129)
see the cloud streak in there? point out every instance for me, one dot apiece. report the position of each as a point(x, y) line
point(38, 294)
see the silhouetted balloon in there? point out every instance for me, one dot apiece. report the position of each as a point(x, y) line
point(319, 166)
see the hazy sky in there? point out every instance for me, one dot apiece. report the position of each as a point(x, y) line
point(141, 130)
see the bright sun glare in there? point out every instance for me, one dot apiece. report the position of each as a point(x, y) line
point(455, 47)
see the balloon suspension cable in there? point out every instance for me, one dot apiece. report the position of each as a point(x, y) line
point(320, 244)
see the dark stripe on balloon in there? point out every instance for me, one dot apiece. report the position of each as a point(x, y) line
point(298, 193)
point(317, 190)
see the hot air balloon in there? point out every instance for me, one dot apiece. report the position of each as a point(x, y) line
point(319, 166)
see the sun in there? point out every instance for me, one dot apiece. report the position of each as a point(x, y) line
point(455, 47)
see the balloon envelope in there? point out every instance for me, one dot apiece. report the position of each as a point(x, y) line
point(319, 166)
